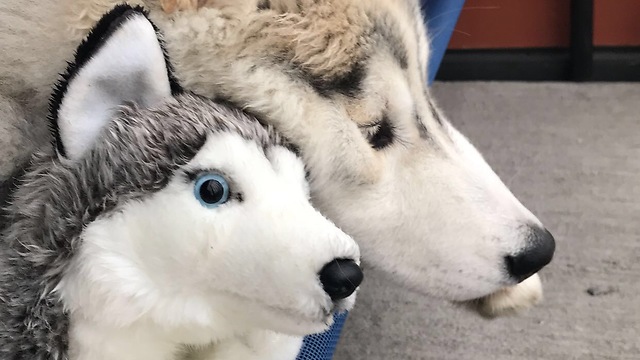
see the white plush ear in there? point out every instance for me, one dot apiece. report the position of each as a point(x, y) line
point(121, 61)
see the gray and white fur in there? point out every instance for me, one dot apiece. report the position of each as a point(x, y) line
point(57, 275)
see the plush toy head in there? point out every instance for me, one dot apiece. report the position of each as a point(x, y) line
point(164, 209)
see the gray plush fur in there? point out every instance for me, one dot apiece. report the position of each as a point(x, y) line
point(137, 154)
point(19, 138)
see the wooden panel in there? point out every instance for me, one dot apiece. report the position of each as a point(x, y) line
point(491, 24)
point(616, 22)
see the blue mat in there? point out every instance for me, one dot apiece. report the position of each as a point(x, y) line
point(322, 346)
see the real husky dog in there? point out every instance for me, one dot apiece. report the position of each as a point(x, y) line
point(159, 228)
point(344, 81)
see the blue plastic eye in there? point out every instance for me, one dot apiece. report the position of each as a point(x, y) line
point(211, 190)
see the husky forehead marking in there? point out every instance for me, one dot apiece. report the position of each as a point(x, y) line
point(344, 41)
point(385, 29)
point(348, 84)
point(330, 44)
point(339, 59)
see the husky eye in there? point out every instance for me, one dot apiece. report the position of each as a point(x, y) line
point(211, 190)
point(380, 135)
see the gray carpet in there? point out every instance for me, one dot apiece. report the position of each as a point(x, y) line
point(571, 153)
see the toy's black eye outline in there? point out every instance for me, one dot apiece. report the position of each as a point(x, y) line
point(211, 190)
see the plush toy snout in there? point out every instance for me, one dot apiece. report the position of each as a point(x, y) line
point(340, 278)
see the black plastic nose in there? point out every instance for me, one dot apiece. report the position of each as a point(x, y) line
point(340, 278)
point(538, 253)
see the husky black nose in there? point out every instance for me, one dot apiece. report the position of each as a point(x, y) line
point(537, 254)
point(340, 278)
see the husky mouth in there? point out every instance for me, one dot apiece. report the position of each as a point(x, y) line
point(510, 300)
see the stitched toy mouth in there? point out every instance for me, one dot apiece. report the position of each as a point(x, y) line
point(325, 315)
point(340, 306)
point(302, 323)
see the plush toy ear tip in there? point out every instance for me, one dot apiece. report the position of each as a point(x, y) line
point(122, 60)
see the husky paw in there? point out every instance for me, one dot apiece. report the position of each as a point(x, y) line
point(170, 6)
point(511, 300)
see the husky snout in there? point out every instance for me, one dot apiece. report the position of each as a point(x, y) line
point(537, 254)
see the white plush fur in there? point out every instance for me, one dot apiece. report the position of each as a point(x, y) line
point(430, 212)
point(167, 272)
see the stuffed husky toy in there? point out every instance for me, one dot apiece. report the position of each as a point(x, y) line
point(164, 225)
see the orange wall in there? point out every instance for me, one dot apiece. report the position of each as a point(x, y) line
point(491, 24)
point(616, 22)
point(486, 24)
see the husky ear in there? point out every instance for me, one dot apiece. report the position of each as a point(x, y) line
point(121, 61)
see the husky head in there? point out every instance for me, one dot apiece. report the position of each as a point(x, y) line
point(174, 210)
point(346, 82)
